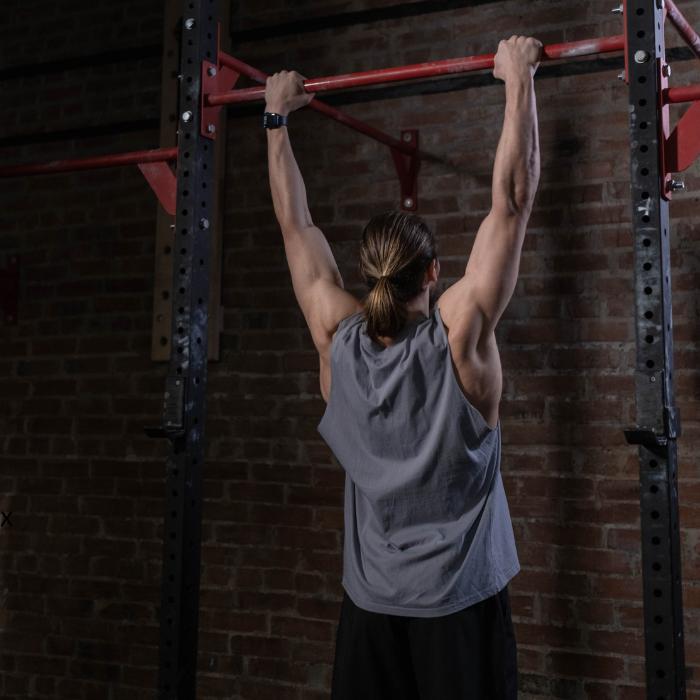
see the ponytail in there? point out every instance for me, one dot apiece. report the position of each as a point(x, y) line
point(396, 250)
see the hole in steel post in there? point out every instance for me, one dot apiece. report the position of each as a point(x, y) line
point(648, 290)
point(640, 10)
point(657, 593)
point(655, 514)
point(644, 171)
point(641, 79)
point(641, 33)
point(660, 673)
point(656, 566)
point(654, 488)
point(649, 339)
point(644, 148)
point(642, 102)
point(655, 540)
point(643, 125)
point(648, 314)
point(646, 219)
point(659, 646)
point(658, 619)
point(653, 463)
point(650, 364)
point(645, 195)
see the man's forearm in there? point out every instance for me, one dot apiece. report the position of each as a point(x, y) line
point(286, 182)
point(516, 169)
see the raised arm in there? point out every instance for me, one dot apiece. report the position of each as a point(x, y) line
point(317, 283)
point(476, 302)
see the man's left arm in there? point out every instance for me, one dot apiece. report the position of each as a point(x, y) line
point(316, 279)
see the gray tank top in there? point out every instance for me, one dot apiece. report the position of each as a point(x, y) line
point(427, 525)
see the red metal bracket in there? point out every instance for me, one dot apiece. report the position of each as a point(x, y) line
point(163, 183)
point(9, 290)
point(214, 79)
point(407, 167)
point(664, 71)
point(683, 145)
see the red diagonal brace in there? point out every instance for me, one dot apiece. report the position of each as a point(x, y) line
point(407, 167)
point(163, 183)
point(689, 35)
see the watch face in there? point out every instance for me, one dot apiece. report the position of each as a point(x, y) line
point(273, 121)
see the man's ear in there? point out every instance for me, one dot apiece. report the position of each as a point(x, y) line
point(432, 272)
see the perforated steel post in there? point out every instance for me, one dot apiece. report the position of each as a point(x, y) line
point(657, 418)
point(184, 404)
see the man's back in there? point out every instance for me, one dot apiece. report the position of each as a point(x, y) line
point(427, 527)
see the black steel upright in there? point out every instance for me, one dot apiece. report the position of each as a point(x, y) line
point(657, 418)
point(184, 405)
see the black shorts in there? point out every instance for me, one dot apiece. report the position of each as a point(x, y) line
point(468, 655)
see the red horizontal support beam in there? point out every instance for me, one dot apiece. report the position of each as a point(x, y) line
point(322, 107)
point(689, 93)
point(112, 160)
point(690, 36)
point(432, 69)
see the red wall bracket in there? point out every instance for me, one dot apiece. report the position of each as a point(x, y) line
point(214, 79)
point(407, 167)
point(683, 145)
point(9, 290)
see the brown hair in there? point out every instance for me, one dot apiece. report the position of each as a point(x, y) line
point(396, 250)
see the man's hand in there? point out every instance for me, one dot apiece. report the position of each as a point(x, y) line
point(517, 56)
point(284, 92)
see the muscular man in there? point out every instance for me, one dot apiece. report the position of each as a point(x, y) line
point(412, 415)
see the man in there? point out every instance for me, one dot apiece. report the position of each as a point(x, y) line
point(412, 416)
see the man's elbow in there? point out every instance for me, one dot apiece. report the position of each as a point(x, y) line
point(523, 195)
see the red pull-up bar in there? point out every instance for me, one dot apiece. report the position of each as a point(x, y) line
point(689, 93)
point(322, 107)
point(468, 64)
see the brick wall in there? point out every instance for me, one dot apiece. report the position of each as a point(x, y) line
point(80, 568)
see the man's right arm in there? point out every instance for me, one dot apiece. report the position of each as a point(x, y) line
point(472, 306)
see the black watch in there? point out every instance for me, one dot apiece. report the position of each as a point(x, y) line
point(274, 121)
